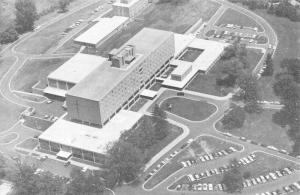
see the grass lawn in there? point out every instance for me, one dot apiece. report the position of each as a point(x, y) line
point(28, 144)
point(36, 123)
point(10, 116)
point(263, 165)
point(234, 17)
point(31, 97)
point(139, 104)
point(188, 108)
point(156, 86)
point(262, 40)
point(260, 128)
point(49, 37)
point(288, 47)
point(206, 83)
point(165, 16)
point(204, 144)
point(35, 70)
point(8, 138)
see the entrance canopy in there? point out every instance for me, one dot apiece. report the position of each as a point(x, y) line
point(63, 154)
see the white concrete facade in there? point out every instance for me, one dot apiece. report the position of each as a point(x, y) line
point(129, 8)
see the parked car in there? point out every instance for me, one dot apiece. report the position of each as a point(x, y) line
point(67, 163)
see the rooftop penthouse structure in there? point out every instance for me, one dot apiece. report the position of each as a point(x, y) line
point(117, 82)
point(129, 8)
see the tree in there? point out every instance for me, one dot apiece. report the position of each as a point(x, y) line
point(26, 14)
point(125, 160)
point(63, 4)
point(2, 167)
point(9, 35)
point(161, 126)
point(250, 93)
point(85, 183)
point(233, 179)
point(26, 182)
point(234, 119)
point(142, 137)
point(158, 112)
point(269, 66)
point(292, 67)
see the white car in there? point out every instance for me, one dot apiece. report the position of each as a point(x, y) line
point(191, 177)
point(84, 169)
point(210, 187)
point(204, 187)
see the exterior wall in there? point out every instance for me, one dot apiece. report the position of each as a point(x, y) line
point(76, 152)
point(131, 11)
point(178, 77)
point(83, 110)
point(60, 84)
point(141, 77)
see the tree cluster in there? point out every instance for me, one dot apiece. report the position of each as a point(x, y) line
point(26, 182)
point(282, 8)
point(2, 167)
point(234, 118)
point(287, 88)
point(26, 14)
point(234, 64)
point(249, 93)
point(127, 157)
point(233, 179)
point(89, 183)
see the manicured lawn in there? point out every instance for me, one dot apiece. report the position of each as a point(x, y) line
point(206, 83)
point(288, 47)
point(260, 128)
point(49, 37)
point(29, 144)
point(263, 165)
point(165, 16)
point(191, 54)
point(156, 86)
point(139, 104)
point(262, 40)
point(35, 70)
point(8, 138)
point(188, 108)
point(204, 144)
point(234, 17)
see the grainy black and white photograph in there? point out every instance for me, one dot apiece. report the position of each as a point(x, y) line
point(149, 97)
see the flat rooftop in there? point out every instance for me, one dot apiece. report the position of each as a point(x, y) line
point(90, 138)
point(212, 51)
point(77, 68)
point(101, 29)
point(129, 4)
point(103, 79)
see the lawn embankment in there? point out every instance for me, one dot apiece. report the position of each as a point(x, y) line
point(288, 47)
point(234, 17)
point(260, 128)
point(35, 70)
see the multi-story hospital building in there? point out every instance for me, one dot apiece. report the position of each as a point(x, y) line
point(116, 83)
